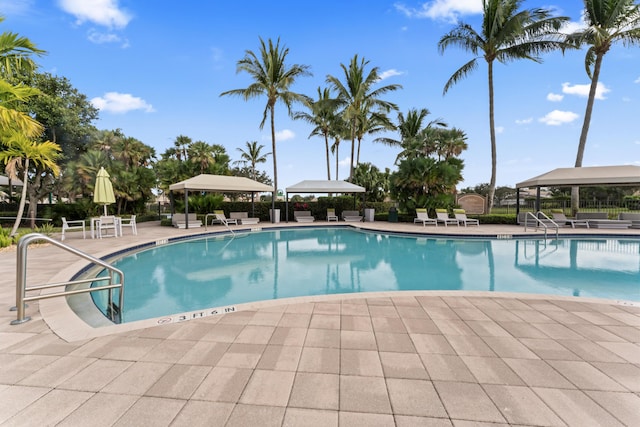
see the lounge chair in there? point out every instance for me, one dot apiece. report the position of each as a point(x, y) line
point(243, 217)
point(422, 216)
point(72, 225)
point(351, 216)
point(601, 220)
point(630, 216)
point(443, 217)
point(461, 216)
point(179, 220)
point(331, 214)
point(559, 217)
point(303, 216)
point(226, 221)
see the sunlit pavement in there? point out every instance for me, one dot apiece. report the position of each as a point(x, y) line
point(395, 358)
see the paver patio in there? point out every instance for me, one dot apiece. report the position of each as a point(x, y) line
point(386, 359)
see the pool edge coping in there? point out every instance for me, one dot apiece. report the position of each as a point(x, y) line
point(65, 323)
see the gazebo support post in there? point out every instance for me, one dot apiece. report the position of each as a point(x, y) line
point(186, 208)
point(517, 206)
point(537, 200)
point(286, 206)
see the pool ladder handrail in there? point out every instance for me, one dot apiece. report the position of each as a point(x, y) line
point(21, 279)
point(206, 219)
point(540, 222)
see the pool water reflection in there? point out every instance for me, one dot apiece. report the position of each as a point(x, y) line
point(222, 271)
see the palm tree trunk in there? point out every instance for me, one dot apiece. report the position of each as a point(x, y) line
point(337, 160)
point(326, 148)
point(492, 130)
point(353, 148)
point(358, 155)
point(575, 191)
point(275, 164)
point(23, 199)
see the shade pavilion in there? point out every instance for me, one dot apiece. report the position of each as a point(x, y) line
point(217, 184)
point(581, 177)
point(321, 187)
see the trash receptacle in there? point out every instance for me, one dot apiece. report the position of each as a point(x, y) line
point(369, 214)
point(393, 214)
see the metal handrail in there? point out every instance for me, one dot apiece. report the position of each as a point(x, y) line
point(539, 222)
point(21, 278)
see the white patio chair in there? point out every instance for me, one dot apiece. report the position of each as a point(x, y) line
point(131, 223)
point(107, 223)
point(72, 225)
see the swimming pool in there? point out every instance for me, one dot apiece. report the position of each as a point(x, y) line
point(221, 271)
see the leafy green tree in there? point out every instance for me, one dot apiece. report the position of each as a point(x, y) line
point(356, 95)
point(67, 114)
point(373, 180)
point(273, 78)
point(608, 22)
point(18, 155)
point(507, 34)
point(252, 155)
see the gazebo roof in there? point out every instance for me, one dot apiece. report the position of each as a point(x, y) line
point(221, 183)
point(584, 176)
point(324, 186)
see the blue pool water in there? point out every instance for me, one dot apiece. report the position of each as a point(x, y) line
point(221, 271)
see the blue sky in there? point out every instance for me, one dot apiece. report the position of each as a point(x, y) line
point(156, 70)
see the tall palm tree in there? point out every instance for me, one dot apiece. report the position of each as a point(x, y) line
point(608, 22)
point(201, 154)
point(252, 155)
point(273, 78)
point(19, 151)
point(181, 144)
point(507, 34)
point(10, 118)
point(16, 54)
point(321, 114)
point(371, 122)
point(357, 92)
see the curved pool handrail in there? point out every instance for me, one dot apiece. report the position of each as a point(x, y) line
point(21, 278)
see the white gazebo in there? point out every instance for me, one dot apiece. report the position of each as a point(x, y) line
point(217, 184)
point(322, 187)
point(581, 177)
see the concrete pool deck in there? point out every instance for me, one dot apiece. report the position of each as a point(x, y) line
point(385, 359)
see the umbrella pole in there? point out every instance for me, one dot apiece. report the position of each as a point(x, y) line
point(105, 210)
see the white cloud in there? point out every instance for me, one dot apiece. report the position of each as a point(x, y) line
point(557, 118)
point(15, 7)
point(120, 103)
point(99, 38)
point(499, 129)
point(448, 10)
point(555, 97)
point(101, 12)
point(583, 90)
point(637, 80)
point(345, 162)
point(524, 121)
point(285, 134)
point(389, 73)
